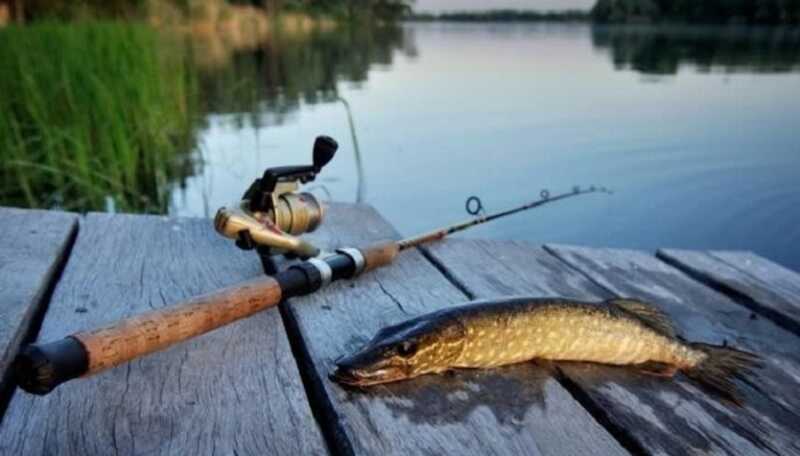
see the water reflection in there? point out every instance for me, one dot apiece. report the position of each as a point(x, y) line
point(256, 86)
point(664, 50)
point(505, 110)
point(265, 83)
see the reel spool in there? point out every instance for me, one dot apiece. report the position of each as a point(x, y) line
point(272, 213)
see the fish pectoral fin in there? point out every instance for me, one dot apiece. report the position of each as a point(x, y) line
point(646, 313)
point(657, 369)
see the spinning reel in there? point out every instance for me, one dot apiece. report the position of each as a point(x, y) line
point(272, 211)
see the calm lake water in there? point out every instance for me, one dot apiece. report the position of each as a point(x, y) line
point(697, 130)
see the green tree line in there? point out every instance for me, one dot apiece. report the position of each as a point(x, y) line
point(705, 11)
point(72, 9)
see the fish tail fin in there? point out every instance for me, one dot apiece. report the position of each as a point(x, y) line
point(721, 367)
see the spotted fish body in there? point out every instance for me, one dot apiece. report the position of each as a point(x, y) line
point(553, 329)
point(489, 334)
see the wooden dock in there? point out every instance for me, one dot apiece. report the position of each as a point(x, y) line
point(260, 386)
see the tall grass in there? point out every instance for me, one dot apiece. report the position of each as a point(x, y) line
point(93, 115)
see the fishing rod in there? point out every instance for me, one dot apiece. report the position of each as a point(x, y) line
point(39, 368)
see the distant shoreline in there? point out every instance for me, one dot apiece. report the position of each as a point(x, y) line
point(603, 14)
point(503, 15)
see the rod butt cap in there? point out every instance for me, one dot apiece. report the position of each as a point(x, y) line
point(39, 368)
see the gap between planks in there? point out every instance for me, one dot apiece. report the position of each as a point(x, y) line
point(777, 317)
point(157, 434)
point(321, 407)
point(732, 295)
point(43, 303)
point(623, 436)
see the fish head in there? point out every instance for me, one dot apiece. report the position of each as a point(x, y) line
point(420, 346)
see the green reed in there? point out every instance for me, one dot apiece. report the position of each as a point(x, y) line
point(93, 115)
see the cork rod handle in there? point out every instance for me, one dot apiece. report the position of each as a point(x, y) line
point(40, 368)
point(380, 254)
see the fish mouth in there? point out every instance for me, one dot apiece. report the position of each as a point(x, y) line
point(346, 375)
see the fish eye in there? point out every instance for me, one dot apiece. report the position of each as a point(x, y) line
point(407, 348)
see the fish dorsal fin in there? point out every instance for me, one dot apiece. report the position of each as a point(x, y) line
point(648, 314)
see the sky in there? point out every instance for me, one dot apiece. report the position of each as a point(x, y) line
point(450, 5)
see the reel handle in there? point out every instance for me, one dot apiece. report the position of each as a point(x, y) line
point(325, 148)
point(40, 368)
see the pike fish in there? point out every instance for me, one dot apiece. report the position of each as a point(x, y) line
point(487, 334)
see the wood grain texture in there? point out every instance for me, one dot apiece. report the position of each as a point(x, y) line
point(770, 289)
point(517, 410)
point(675, 416)
point(155, 330)
point(233, 391)
point(33, 244)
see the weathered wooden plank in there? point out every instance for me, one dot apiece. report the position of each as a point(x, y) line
point(520, 410)
point(657, 416)
point(675, 416)
point(33, 246)
point(771, 289)
point(234, 391)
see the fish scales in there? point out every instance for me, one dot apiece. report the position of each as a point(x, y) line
point(517, 331)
